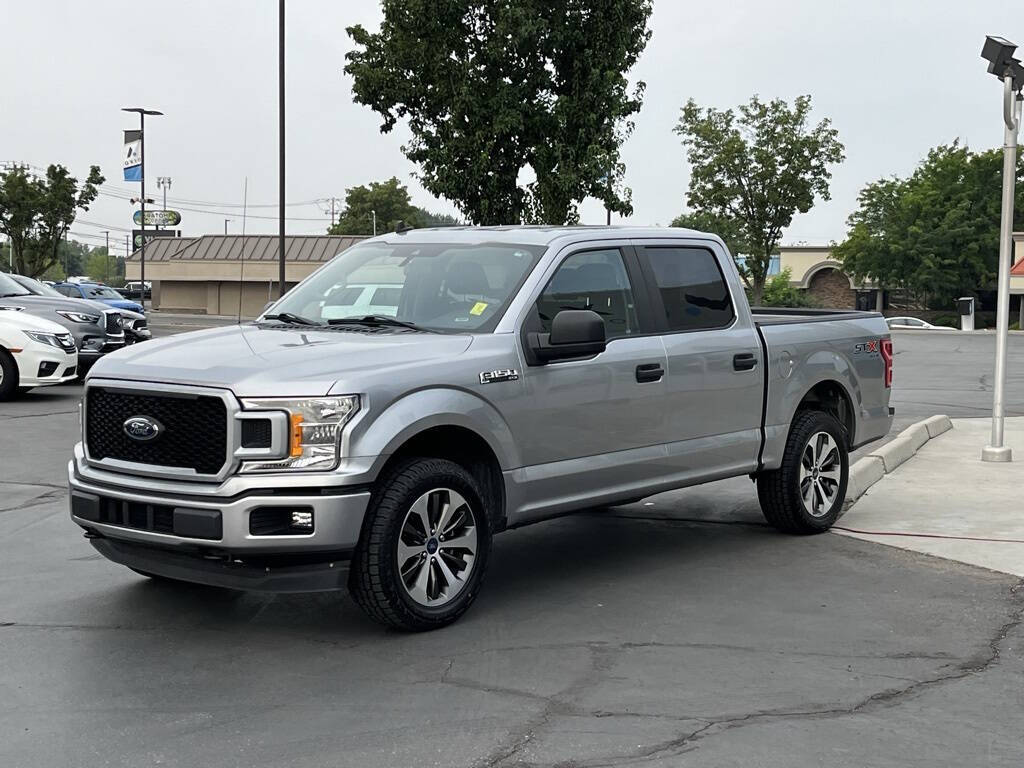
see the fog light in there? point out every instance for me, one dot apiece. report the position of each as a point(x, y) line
point(303, 520)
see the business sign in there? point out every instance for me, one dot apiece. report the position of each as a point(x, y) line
point(151, 234)
point(132, 155)
point(158, 218)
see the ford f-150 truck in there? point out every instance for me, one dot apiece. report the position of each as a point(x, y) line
point(508, 375)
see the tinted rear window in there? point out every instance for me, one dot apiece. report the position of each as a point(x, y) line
point(692, 288)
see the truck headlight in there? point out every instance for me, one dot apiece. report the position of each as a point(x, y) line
point(314, 431)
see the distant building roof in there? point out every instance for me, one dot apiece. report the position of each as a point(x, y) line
point(297, 248)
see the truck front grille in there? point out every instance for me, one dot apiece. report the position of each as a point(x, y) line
point(192, 429)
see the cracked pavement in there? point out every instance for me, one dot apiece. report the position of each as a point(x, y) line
point(678, 632)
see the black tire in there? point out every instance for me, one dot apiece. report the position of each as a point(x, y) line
point(375, 580)
point(8, 376)
point(779, 491)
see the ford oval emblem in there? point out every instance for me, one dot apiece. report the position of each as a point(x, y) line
point(142, 428)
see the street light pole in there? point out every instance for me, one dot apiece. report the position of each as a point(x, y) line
point(998, 51)
point(226, 225)
point(995, 450)
point(280, 128)
point(106, 268)
point(142, 162)
point(374, 213)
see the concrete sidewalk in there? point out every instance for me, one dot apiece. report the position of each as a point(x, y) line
point(946, 502)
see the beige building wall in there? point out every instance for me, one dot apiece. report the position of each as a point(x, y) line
point(800, 260)
point(211, 287)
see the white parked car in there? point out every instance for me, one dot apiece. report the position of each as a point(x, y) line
point(33, 353)
point(362, 299)
point(908, 323)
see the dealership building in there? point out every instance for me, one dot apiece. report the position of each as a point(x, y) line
point(209, 274)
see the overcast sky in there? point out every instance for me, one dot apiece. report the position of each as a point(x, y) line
point(895, 76)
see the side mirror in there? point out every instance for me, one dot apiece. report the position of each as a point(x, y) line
point(574, 333)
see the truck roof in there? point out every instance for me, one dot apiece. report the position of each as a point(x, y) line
point(539, 234)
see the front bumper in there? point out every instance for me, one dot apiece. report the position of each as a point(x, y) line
point(33, 356)
point(207, 538)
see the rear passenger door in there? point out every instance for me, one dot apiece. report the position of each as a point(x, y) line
point(607, 404)
point(714, 387)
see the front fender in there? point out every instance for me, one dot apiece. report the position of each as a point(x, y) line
point(411, 414)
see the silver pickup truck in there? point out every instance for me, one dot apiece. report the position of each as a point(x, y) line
point(428, 389)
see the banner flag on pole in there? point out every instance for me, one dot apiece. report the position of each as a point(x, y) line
point(133, 155)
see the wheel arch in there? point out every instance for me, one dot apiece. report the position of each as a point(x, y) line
point(832, 397)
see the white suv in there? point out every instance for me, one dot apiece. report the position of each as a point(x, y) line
point(33, 353)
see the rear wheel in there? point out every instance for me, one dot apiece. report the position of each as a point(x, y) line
point(424, 547)
point(8, 376)
point(806, 493)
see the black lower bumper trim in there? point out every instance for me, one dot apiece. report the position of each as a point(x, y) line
point(323, 576)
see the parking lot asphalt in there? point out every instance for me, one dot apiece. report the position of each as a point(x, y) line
point(676, 631)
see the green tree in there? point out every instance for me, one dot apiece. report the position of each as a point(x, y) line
point(99, 266)
point(389, 199)
point(491, 90)
point(36, 213)
point(780, 292)
point(758, 168)
point(428, 219)
point(935, 234)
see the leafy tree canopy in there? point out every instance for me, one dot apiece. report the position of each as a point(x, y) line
point(493, 90)
point(388, 199)
point(36, 212)
point(757, 168)
point(934, 234)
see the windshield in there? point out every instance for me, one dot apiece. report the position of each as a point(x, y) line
point(441, 287)
point(100, 292)
point(8, 287)
point(36, 287)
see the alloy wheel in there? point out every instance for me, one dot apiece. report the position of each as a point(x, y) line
point(437, 547)
point(821, 472)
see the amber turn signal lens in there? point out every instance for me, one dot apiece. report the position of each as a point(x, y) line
point(295, 441)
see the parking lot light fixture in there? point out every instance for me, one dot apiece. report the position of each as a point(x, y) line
point(999, 53)
point(141, 112)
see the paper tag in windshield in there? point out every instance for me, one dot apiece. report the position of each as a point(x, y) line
point(478, 308)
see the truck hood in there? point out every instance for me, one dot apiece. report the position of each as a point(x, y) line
point(274, 362)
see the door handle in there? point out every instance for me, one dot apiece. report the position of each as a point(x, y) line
point(649, 372)
point(744, 361)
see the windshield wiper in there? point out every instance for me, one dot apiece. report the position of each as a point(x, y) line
point(377, 321)
point(291, 317)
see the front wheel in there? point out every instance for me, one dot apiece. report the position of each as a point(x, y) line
point(806, 493)
point(8, 376)
point(423, 551)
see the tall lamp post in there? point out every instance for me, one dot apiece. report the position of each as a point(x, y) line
point(999, 53)
point(280, 140)
point(142, 193)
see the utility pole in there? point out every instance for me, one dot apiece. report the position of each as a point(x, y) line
point(280, 129)
point(106, 275)
point(164, 183)
point(142, 161)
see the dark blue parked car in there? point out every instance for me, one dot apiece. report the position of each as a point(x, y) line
point(96, 292)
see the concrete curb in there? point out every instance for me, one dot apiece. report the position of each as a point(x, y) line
point(884, 459)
